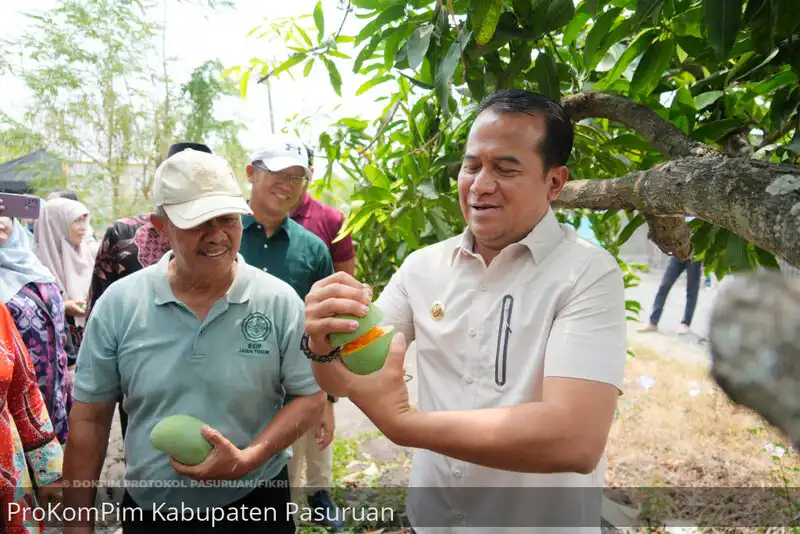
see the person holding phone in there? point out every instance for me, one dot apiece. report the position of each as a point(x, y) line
point(61, 246)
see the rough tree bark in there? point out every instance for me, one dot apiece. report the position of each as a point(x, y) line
point(756, 200)
point(755, 325)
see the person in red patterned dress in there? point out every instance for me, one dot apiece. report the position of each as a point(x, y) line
point(28, 442)
point(129, 245)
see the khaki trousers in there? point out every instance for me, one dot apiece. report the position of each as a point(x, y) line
point(318, 466)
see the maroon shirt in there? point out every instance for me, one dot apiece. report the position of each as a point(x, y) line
point(325, 221)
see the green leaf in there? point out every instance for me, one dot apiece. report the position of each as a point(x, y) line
point(243, 81)
point(367, 52)
point(646, 9)
point(597, 35)
point(309, 66)
point(794, 146)
point(546, 74)
point(417, 45)
point(319, 21)
point(714, 130)
point(369, 84)
point(651, 68)
point(629, 141)
point(634, 49)
point(524, 10)
point(704, 100)
point(447, 67)
point(386, 17)
point(304, 35)
point(788, 18)
point(766, 259)
point(485, 16)
point(762, 27)
point(551, 15)
point(738, 258)
point(575, 26)
point(785, 77)
point(701, 235)
point(722, 18)
point(288, 64)
point(630, 228)
point(416, 82)
point(333, 74)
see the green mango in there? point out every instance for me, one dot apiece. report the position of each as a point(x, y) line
point(181, 437)
point(371, 357)
point(365, 324)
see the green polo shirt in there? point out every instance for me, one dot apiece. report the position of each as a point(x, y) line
point(292, 253)
point(231, 370)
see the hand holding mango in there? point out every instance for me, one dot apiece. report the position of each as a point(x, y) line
point(200, 454)
point(364, 351)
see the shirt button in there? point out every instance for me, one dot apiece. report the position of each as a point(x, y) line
point(469, 380)
point(483, 287)
point(264, 269)
point(457, 473)
point(459, 515)
point(260, 227)
point(472, 332)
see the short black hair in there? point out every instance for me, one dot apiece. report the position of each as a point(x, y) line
point(556, 146)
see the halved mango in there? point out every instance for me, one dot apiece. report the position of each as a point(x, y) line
point(181, 437)
point(368, 353)
point(372, 318)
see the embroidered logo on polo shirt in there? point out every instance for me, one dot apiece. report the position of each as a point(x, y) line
point(256, 327)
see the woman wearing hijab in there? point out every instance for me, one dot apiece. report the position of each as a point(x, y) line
point(32, 297)
point(61, 246)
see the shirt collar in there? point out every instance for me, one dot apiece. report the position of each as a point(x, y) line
point(304, 207)
point(238, 293)
point(249, 220)
point(540, 241)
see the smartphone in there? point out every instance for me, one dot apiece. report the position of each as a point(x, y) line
point(20, 206)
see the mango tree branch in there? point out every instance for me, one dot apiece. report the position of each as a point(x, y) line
point(756, 200)
point(754, 338)
point(661, 134)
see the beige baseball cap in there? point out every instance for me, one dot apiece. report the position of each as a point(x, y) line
point(194, 187)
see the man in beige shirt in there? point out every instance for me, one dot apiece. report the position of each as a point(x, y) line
point(521, 342)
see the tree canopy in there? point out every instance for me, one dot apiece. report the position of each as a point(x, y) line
point(681, 108)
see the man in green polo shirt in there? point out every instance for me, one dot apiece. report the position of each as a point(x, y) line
point(200, 333)
point(274, 242)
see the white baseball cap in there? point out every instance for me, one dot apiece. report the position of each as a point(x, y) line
point(194, 187)
point(281, 152)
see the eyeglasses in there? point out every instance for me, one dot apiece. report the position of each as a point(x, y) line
point(291, 178)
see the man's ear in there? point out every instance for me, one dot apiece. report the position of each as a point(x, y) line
point(250, 170)
point(556, 180)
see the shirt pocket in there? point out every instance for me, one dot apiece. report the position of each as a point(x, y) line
point(504, 333)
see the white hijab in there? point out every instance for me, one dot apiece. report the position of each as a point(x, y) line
point(71, 265)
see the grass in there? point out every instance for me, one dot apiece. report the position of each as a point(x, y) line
point(677, 429)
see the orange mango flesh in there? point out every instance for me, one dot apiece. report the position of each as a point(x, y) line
point(363, 341)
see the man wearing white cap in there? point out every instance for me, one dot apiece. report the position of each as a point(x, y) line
point(279, 172)
point(200, 333)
